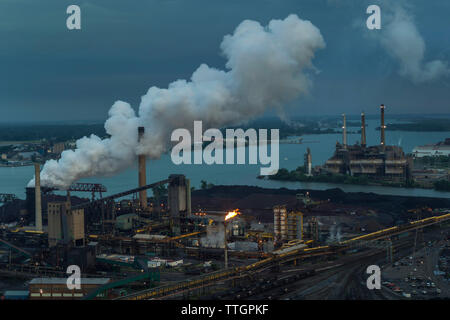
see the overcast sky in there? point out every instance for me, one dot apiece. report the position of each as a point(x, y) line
point(48, 73)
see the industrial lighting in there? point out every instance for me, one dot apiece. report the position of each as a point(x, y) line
point(232, 214)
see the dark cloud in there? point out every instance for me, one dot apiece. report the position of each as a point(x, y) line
point(125, 47)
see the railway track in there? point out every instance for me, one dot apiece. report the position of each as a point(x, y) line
point(343, 279)
point(286, 257)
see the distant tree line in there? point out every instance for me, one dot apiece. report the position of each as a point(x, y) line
point(56, 133)
point(422, 125)
point(299, 174)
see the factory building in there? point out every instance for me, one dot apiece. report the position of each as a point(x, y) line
point(379, 162)
point(179, 202)
point(433, 150)
point(65, 225)
point(288, 224)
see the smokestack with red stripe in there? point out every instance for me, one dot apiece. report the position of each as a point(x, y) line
point(344, 131)
point(142, 172)
point(382, 127)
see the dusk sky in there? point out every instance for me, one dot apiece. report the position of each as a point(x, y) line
point(50, 73)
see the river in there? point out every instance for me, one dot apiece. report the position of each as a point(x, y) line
point(14, 180)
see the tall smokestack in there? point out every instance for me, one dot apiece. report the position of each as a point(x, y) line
point(225, 243)
point(344, 131)
point(37, 197)
point(382, 127)
point(363, 130)
point(142, 173)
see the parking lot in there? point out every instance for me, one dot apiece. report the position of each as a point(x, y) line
point(422, 275)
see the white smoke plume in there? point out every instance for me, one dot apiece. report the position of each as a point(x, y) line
point(266, 68)
point(402, 41)
point(215, 236)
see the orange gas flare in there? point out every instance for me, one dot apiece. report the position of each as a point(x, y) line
point(232, 214)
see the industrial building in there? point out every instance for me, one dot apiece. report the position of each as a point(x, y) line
point(179, 200)
point(433, 150)
point(379, 162)
point(64, 224)
point(290, 224)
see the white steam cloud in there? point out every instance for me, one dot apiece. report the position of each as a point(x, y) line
point(266, 68)
point(215, 237)
point(402, 41)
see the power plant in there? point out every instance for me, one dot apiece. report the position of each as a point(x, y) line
point(378, 162)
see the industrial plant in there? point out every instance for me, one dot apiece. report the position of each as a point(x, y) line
point(378, 162)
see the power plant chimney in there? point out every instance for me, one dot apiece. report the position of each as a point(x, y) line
point(142, 172)
point(344, 131)
point(382, 127)
point(363, 130)
point(37, 197)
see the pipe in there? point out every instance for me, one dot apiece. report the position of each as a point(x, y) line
point(344, 131)
point(142, 172)
point(382, 128)
point(37, 197)
point(363, 130)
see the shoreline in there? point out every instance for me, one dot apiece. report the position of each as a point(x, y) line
point(367, 184)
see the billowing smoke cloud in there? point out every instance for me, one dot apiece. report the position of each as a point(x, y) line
point(266, 68)
point(402, 40)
